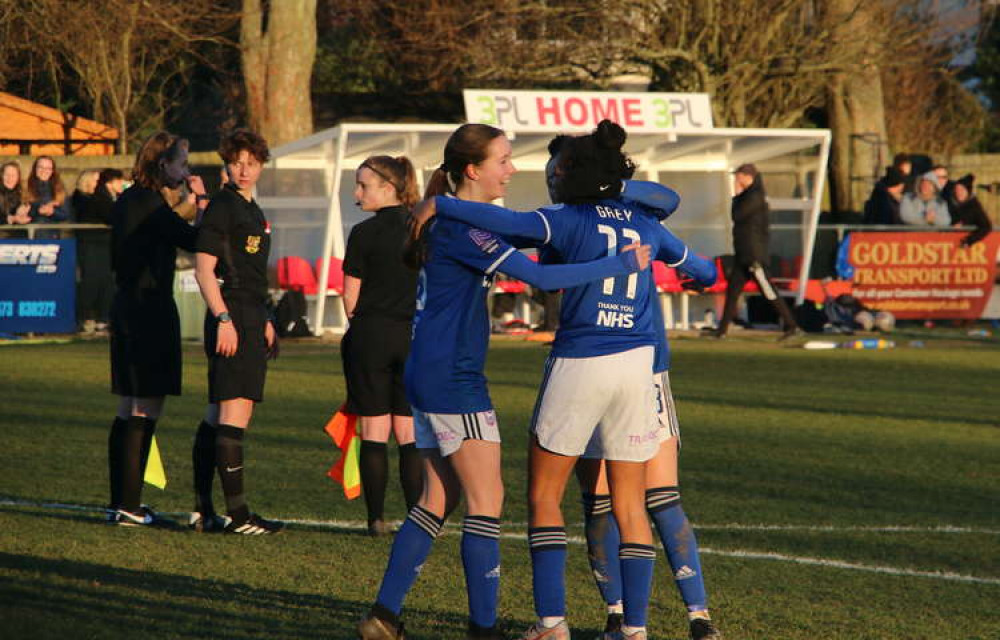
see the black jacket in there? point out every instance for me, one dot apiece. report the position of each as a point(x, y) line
point(145, 235)
point(881, 207)
point(971, 213)
point(751, 225)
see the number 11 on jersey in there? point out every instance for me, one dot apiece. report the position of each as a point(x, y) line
point(633, 278)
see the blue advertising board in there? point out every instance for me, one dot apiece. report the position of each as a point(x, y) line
point(37, 286)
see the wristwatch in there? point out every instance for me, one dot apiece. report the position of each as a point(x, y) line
point(224, 317)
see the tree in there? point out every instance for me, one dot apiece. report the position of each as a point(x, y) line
point(124, 56)
point(278, 46)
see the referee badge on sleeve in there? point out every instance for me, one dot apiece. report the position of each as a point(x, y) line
point(253, 244)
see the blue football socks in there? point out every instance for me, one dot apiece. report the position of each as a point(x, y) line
point(481, 559)
point(409, 551)
point(664, 507)
point(603, 540)
point(548, 570)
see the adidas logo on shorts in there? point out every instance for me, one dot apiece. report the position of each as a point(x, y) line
point(493, 573)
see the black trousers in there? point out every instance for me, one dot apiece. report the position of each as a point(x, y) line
point(737, 280)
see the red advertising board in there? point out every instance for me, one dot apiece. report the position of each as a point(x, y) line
point(923, 274)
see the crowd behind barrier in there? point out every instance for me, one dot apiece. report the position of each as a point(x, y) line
point(39, 206)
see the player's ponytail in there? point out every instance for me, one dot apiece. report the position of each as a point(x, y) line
point(469, 144)
point(399, 173)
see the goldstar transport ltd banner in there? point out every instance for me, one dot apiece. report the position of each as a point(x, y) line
point(923, 274)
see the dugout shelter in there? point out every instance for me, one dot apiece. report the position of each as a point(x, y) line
point(307, 187)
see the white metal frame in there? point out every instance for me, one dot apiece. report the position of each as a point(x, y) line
point(716, 151)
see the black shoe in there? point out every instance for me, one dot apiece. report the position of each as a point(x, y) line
point(207, 522)
point(703, 629)
point(613, 626)
point(791, 334)
point(378, 528)
point(484, 633)
point(374, 627)
point(255, 526)
point(144, 517)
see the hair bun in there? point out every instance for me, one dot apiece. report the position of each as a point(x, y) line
point(610, 135)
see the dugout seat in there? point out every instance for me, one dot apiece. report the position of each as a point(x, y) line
point(295, 274)
point(668, 284)
point(335, 274)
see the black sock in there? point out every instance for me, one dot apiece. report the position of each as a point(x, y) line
point(229, 458)
point(203, 462)
point(374, 465)
point(411, 473)
point(132, 464)
point(148, 429)
point(116, 440)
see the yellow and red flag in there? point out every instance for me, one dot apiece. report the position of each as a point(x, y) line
point(343, 428)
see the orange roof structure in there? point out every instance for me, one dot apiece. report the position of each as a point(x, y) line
point(30, 128)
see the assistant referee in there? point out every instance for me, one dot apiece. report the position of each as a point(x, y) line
point(380, 299)
point(234, 241)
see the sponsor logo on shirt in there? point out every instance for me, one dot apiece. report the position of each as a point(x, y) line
point(253, 244)
point(486, 241)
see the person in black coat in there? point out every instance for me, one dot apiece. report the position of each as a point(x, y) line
point(969, 211)
point(148, 226)
point(751, 232)
point(882, 206)
point(93, 248)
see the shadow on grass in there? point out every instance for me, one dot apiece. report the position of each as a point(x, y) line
point(49, 598)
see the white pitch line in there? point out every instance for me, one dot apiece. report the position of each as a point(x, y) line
point(357, 525)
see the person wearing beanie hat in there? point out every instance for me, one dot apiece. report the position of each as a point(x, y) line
point(882, 206)
point(925, 206)
point(969, 211)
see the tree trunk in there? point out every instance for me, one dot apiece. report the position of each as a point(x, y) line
point(856, 113)
point(277, 67)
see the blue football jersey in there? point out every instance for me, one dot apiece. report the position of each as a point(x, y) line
point(451, 328)
point(615, 314)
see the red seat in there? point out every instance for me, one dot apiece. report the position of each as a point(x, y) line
point(335, 274)
point(720, 282)
point(295, 274)
point(666, 278)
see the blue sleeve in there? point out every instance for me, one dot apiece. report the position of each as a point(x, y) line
point(661, 200)
point(676, 254)
point(529, 225)
point(560, 276)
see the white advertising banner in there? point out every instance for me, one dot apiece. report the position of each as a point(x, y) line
point(572, 111)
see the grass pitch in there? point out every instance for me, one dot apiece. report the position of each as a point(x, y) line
point(836, 494)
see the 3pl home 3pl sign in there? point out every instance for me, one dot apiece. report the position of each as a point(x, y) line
point(549, 111)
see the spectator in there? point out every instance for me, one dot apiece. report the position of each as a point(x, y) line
point(883, 204)
point(946, 186)
point(79, 202)
point(904, 164)
point(94, 252)
point(46, 193)
point(13, 205)
point(969, 211)
point(751, 234)
point(925, 206)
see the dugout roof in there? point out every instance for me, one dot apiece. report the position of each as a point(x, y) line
point(307, 187)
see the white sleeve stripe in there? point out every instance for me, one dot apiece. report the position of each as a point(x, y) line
point(681, 261)
point(493, 267)
point(548, 229)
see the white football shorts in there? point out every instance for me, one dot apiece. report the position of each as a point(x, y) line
point(447, 431)
point(609, 395)
point(666, 415)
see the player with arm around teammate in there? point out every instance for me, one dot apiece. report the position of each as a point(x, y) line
point(456, 427)
point(605, 326)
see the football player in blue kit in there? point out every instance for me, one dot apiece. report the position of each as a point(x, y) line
point(456, 427)
point(599, 369)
